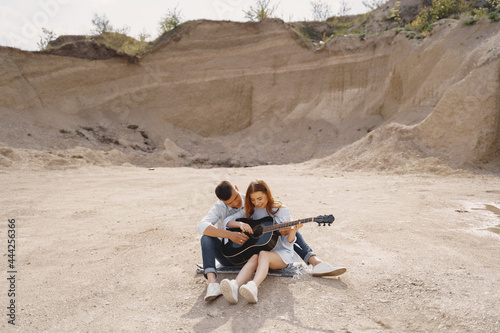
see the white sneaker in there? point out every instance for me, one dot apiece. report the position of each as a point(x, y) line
point(213, 291)
point(249, 291)
point(325, 269)
point(229, 290)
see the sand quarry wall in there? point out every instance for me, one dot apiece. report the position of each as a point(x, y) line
point(383, 101)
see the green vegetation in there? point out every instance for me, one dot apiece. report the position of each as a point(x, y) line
point(316, 33)
point(441, 9)
point(494, 16)
point(493, 7)
point(262, 10)
point(120, 42)
point(321, 10)
point(344, 8)
point(373, 4)
point(170, 21)
point(312, 33)
point(395, 13)
point(321, 32)
point(47, 37)
point(117, 38)
point(101, 25)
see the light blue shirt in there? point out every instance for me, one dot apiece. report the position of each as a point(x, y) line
point(219, 212)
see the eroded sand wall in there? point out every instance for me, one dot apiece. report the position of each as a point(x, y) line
point(220, 78)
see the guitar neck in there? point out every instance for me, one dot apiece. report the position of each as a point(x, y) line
point(279, 226)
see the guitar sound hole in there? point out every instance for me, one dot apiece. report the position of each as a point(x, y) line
point(257, 232)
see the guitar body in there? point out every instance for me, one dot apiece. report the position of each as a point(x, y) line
point(264, 238)
point(239, 254)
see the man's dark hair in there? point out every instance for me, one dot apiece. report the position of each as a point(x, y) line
point(224, 190)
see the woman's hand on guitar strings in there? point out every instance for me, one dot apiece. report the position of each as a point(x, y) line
point(285, 231)
point(296, 227)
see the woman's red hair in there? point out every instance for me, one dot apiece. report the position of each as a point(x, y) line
point(260, 186)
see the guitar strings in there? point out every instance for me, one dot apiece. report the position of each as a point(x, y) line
point(286, 224)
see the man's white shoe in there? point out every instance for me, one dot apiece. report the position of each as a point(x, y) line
point(213, 291)
point(249, 291)
point(325, 269)
point(229, 289)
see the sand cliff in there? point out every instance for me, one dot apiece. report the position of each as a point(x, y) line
point(252, 93)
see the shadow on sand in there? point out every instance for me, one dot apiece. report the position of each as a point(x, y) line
point(276, 302)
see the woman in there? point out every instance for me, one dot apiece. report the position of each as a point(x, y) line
point(259, 203)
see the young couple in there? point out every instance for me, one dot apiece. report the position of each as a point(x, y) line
point(257, 203)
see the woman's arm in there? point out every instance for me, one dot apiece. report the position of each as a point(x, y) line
point(283, 215)
point(293, 232)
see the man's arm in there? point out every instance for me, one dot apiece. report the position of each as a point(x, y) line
point(213, 216)
point(234, 236)
point(230, 221)
point(207, 228)
point(212, 231)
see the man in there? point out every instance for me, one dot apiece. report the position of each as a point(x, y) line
point(231, 201)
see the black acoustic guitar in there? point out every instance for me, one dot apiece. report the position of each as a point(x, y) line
point(264, 238)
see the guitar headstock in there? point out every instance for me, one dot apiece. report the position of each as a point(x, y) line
point(325, 219)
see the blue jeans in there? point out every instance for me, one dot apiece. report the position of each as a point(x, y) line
point(211, 250)
point(302, 249)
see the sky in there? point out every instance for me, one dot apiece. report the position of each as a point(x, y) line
point(21, 21)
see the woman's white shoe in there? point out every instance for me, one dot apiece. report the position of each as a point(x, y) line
point(249, 291)
point(229, 289)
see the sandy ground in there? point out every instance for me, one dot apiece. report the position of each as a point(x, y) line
point(114, 250)
point(104, 244)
